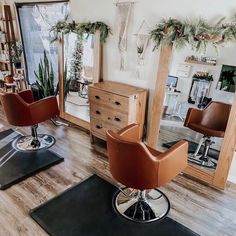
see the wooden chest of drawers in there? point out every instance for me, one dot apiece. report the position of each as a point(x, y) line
point(114, 106)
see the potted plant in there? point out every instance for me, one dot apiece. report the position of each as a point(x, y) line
point(16, 53)
point(45, 77)
point(9, 79)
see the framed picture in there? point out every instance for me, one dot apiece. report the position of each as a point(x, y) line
point(227, 80)
point(199, 90)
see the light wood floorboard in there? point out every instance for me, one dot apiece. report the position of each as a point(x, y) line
point(205, 210)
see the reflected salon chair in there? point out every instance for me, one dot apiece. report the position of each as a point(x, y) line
point(21, 110)
point(210, 122)
point(142, 169)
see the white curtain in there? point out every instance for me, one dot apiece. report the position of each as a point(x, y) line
point(35, 22)
point(46, 16)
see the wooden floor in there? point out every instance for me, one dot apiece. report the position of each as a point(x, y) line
point(202, 209)
point(77, 106)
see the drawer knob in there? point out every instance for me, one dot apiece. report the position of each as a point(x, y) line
point(117, 103)
point(117, 119)
point(97, 97)
point(99, 126)
point(98, 112)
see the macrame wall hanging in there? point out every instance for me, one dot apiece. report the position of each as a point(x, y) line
point(142, 40)
point(124, 13)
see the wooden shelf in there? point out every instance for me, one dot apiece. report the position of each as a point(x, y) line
point(2, 19)
point(5, 62)
point(200, 63)
point(7, 42)
point(8, 27)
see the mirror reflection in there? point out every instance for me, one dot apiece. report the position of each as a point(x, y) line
point(227, 80)
point(196, 108)
point(78, 74)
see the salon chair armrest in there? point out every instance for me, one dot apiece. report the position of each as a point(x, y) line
point(130, 132)
point(26, 95)
point(153, 151)
point(44, 109)
point(172, 162)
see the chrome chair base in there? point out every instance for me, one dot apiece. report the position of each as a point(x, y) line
point(141, 206)
point(28, 143)
point(203, 159)
point(208, 162)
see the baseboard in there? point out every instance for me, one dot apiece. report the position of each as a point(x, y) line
point(232, 178)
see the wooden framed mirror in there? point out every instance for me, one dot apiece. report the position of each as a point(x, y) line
point(161, 130)
point(79, 65)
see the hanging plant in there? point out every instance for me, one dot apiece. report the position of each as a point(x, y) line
point(198, 34)
point(81, 29)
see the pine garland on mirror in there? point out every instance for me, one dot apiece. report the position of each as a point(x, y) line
point(199, 34)
point(81, 29)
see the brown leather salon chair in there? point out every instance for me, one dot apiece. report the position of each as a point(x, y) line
point(211, 122)
point(21, 110)
point(142, 169)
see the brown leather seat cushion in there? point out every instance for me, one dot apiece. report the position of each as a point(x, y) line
point(206, 131)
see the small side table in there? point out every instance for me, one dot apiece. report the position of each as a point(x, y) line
point(11, 86)
point(20, 83)
point(83, 88)
point(20, 80)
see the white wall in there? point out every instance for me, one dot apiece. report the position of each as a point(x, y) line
point(225, 55)
point(151, 11)
point(232, 172)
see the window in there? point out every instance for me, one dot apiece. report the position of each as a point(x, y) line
point(35, 21)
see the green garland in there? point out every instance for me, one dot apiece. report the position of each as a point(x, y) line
point(81, 29)
point(198, 34)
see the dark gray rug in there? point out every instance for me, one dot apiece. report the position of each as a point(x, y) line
point(213, 153)
point(86, 210)
point(16, 166)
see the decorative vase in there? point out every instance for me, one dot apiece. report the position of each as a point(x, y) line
point(9, 79)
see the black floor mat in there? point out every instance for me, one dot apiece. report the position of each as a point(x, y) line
point(86, 210)
point(17, 166)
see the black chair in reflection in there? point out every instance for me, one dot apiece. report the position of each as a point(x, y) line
point(204, 102)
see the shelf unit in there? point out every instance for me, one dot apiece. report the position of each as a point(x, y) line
point(200, 62)
point(7, 27)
